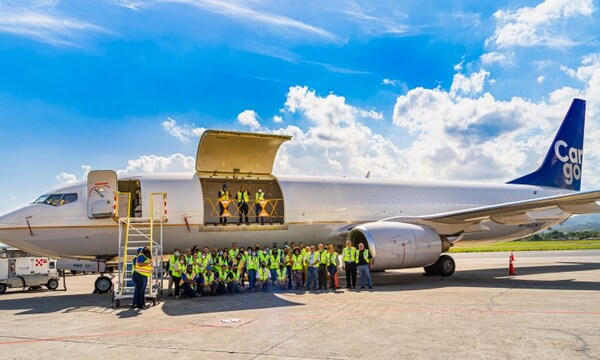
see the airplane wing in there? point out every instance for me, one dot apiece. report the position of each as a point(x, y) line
point(512, 213)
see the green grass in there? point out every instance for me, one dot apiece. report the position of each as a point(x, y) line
point(530, 246)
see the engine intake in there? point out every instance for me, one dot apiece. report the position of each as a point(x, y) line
point(399, 245)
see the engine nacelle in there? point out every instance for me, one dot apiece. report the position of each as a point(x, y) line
point(399, 245)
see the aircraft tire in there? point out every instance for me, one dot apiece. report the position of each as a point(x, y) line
point(430, 270)
point(446, 265)
point(102, 285)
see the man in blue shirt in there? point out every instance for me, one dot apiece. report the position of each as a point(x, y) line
point(189, 280)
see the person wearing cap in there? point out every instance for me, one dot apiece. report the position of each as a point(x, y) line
point(210, 285)
point(233, 280)
point(298, 264)
point(332, 265)
point(349, 258)
point(258, 197)
point(223, 195)
point(142, 271)
point(189, 281)
point(243, 197)
point(222, 279)
point(264, 275)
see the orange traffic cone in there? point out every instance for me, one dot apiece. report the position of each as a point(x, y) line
point(511, 266)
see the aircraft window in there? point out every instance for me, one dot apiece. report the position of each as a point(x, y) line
point(56, 199)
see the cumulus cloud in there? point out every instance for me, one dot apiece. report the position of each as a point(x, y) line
point(66, 178)
point(537, 26)
point(182, 132)
point(249, 118)
point(501, 58)
point(277, 119)
point(469, 85)
point(540, 79)
point(155, 163)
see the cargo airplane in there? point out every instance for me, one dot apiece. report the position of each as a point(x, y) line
point(404, 224)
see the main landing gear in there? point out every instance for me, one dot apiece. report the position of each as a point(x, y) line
point(444, 266)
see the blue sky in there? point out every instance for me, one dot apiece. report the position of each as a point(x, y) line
point(414, 89)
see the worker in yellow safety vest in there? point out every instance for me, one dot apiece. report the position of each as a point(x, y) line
point(172, 260)
point(189, 281)
point(282, 276)
point(253, 265)
point(209, 287)
point(243, 198)
point(298, 264)
point(349, 256)
point(223, 195)
point(178, 268)
point(287, 260)
point(233, 280)
point(363, 260)
point(332, 265)
point(234, 251)
point(222, 279)
point(322, 272)
point(264, 275)
point(142, 271)
point(258, 197)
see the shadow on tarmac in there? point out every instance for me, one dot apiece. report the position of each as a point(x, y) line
point(383, 281)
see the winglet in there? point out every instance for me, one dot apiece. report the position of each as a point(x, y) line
point(563, 164)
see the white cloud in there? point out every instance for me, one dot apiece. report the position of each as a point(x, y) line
point(277, 119)
point(502, 58)
point(182, 132)
point(540, 79)
point(240, 11)
point(378, 25)
point(537, 26)
point(471, 85)
point(249, 118)
point(155, 163)
point(66, 178)
point(389, 82)
point(38, 20)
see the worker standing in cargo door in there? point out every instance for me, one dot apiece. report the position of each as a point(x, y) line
point(349, 256)
point(223, 197)
point(142, 270)
point(243, 197)
point(258, 208)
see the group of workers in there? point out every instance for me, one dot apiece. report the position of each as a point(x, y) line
point(243, 204)
point(204, 272)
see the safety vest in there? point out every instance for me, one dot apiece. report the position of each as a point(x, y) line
point(223, 275)
point(223, 195)
point(281, 275)
point(297, 262)
point(315, 259)
point(262, 256)
point(233, 275)
point(172, 260)
point(178, 268)
point(204, 262)
point(198, 268)
point(324, 257)
point(259, 196)
point(233, 253)
point(145, 270)
point(366, 255)
point(242, 196)
point(253, 263)
point(188, 277)
point(208, 278)
point(288, 260)
point(349, 254)
point(273, 262)
point(263, 274)
point(333, 258)
point(189, 259)
point(219, 261)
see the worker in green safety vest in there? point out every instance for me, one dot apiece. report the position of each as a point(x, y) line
point(209, 287)
point(281, 277)
point(172, 260)
point(349, 258)
point(322, 272)
point(332, 265)
point(243, 198)
point(263, 276)
point(253, 265)
point(298, 264)
point(233, 280)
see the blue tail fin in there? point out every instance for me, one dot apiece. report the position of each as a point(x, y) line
point(563, 164)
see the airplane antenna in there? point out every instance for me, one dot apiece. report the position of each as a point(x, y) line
point(368, 174)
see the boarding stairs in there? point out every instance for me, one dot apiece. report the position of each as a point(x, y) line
point(135, 233)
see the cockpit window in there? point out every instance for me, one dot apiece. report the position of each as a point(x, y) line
point(56, 199)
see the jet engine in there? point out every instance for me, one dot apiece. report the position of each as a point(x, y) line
point(399, 245)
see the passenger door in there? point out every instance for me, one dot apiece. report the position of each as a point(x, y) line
point(100, 193)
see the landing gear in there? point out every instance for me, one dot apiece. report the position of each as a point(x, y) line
point(102, 285)
point(444, 266)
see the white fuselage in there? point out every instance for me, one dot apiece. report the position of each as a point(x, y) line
point(317, 209)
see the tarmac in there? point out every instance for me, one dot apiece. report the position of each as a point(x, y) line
point(550, 310)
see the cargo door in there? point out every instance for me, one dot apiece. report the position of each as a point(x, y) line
point(100, 193)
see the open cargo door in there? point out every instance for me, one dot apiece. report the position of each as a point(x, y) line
point(100, 192)
point(222, 153)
